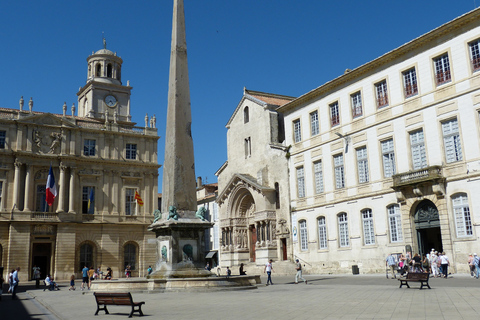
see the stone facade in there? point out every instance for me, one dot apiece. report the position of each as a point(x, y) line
point(253, 195)
point(386, 158)
point(99, 159)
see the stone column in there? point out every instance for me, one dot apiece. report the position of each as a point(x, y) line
point(61, 191)
point(16, 183)
point(28, 189)
point(115, 197)
point(71, 198)
point(107, 190)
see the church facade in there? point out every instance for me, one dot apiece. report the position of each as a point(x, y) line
point(101, 163)
point(386, 157)
point(253, 199)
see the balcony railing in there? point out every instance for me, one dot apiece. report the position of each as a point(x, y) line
point(422, 175)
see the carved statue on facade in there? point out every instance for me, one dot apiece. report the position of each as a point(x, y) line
point(172, 213)
point(21, 102)
point(201, 213)
point(164, 253)
point(57, 138)
point(37, 138)
point(157, 215)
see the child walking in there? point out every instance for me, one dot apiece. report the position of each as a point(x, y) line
point(72, 283)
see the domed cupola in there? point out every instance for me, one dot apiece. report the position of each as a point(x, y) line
point(103, 96)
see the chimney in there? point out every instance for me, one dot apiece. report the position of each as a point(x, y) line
point(199, 182)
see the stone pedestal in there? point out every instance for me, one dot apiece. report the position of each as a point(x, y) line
point(180, 246)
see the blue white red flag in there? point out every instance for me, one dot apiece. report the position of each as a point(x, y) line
point(51, 188)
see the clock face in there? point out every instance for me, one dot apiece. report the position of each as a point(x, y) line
point(110, 101)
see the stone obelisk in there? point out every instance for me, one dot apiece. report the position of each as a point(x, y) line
point(179, 185)
point(179, 229)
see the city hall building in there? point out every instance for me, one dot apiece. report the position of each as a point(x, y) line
point(100, 160)
point(386, 157)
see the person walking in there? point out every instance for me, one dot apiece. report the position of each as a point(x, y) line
point(84, 277)
point(476, 263)
point(72, 283)
point(434, 264)
point(390, 262)
point(445, 263)
point(299, 272)
point(471, 266)
point(15, 282)
point(268, 269)
point(36, 276)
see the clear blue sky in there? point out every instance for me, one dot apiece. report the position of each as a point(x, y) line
point(279, 46)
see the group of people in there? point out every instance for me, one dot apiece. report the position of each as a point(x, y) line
point(12, 282)
point(89, 275)
point(269, 269)
point(474, 265)
point(436, 263)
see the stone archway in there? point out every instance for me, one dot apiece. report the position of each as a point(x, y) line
point(427, 226)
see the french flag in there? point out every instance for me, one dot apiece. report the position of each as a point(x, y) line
point(51, 187)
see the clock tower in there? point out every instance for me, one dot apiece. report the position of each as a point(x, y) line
point(104, 95)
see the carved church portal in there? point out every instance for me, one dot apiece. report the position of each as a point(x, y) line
point(41, 257)
point(427, 225)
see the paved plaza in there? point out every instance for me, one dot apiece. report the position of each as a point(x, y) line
point(325, 297)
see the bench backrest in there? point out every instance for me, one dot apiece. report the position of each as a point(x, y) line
point(417, 276)
point(122, 298)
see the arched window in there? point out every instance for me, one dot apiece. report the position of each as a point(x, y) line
point(368, 233)
point(395, 223)
point(246, 115)
point(86, 256)
point(109, 70)
point(277, 195)
point(98, 70)
point(461, 211)
point(322, 233)
point(343, 230)
point(130, 256)
point(303, 235)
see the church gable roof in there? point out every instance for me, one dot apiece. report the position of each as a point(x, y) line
point(262, 99)
point(46, 119)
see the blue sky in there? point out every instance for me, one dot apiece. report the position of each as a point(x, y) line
point(279, 46)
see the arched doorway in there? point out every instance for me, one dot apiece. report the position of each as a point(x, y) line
point(427, 225)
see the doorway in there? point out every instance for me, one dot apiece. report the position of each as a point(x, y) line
point(253, 241)
point(284, 249)
point(427, 225)
point(41, 257)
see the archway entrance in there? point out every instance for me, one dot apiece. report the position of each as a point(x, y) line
point(427, 225)
point(41, 257)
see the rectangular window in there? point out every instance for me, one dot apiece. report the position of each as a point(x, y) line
point(1, 189)
point(322, 233)
point(88, 199)
point(3, 134)
point(130, 202)
point(382, 94)
point(339, 171)
point(303, 236)
point(442, 69)
point(248, 147)
point(343, 230)
point(334, 114)
point(475, 54)
point(131, 151)
point(300, 182)
point(388, 157)
point(362, 165)
point(41, 201)
point(419, 156)
point(89, 147)
point(410, 83)
point(451, 141)
point(297, 130)
point(395, 220)
point(463, 220)
point(368, 233)
point(317, 168)
point(356, 99)
point(314, 123)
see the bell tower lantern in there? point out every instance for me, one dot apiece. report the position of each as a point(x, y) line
point(104, 95)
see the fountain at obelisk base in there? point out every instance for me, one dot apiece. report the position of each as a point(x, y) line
point(179, 229)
